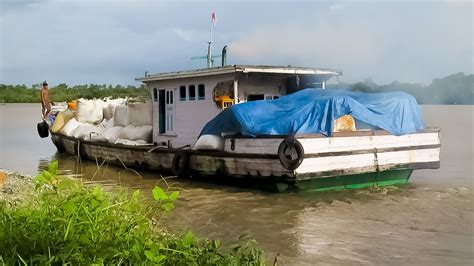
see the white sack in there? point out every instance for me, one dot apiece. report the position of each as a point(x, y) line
point(86, 131)
point(121, 116)
point(70, 126)
point(110, 134)
point(209, 142)
point(117, 101)
point(103, 136)
point(137, 133)
point(140, 114)
point(89, 111)
point(109, 107)
point(61, 120)
point(108, 111)
point(109, 123)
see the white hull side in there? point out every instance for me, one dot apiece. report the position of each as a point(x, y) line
point(239, 167)
point(323, 156)
point(348, 152)
point(366, 163)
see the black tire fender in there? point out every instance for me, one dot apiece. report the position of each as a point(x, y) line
point(43, 129)
point(290, 153)
point(180, 165)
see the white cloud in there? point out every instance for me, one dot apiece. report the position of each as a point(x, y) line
point(112, 42)
point(336, 6)
point(78, 43)
point(385, 42)
point(189, 35)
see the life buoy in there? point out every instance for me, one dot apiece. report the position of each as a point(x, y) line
point(290, 153)
point(180, 165)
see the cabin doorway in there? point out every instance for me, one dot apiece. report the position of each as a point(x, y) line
point(166, 111)
point(161, 111)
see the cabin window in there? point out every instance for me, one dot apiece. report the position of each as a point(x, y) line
point(182, 93)
point(255, 97)
point(201, 92)
point(169, 97)
point(192, 92)
point(155, 94)
point(271, 97)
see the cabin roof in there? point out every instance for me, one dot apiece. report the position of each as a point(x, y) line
point(278, 70)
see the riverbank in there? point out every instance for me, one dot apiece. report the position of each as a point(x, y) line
point(52, 219)
point(15, 188)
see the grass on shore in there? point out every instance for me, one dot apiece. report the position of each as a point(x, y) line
point(66, 222)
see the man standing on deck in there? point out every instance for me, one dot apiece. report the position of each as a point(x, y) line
point(45, 104)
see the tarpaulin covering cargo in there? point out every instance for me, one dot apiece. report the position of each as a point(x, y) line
point(312, 111)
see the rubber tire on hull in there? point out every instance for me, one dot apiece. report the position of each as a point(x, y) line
point(43, 129)
point(180, 165)
point(290, 153)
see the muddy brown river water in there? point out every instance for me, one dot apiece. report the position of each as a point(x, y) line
point(428, 222)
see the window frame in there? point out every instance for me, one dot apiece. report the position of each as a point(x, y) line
point(194, 92)
point(199, 97)
point(181, 97)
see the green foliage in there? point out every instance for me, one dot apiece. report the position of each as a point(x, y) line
point(69, 223)
point(453, 89)
point(64, 93)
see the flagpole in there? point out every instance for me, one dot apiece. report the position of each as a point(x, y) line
point(212, 26)
point(209, 43)
point(209, 56)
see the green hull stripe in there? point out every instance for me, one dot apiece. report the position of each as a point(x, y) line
point(381, 179)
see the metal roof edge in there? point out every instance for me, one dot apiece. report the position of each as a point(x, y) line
point(188, 73)
point(240, 68)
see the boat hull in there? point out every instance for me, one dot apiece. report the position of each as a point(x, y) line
point(343, 161)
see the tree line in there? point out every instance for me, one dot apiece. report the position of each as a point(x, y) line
point(65, 93)
point(454, 89)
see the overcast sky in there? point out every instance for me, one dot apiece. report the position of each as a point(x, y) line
point(113, 42)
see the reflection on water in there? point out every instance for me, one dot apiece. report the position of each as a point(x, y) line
point(429, 221)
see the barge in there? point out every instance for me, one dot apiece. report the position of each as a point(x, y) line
point(187, 106)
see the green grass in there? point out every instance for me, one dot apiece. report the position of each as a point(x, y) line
point(66, 222)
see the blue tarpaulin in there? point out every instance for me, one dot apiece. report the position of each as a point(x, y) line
point(312, 111)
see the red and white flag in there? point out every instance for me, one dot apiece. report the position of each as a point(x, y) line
point(213, 18)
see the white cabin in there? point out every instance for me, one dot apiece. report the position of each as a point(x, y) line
point(184, 101)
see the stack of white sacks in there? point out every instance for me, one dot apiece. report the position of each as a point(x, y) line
point(114, 121)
